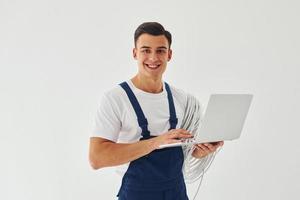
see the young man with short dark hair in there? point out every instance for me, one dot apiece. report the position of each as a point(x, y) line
point(138, 116)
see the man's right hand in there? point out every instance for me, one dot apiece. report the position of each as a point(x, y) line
point(172, 136)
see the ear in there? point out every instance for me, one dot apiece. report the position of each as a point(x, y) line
point(169, 54)
point(134, 50)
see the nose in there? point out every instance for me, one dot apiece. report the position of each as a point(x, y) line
point(152, 56)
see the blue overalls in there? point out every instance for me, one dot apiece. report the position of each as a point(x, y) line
point(158, 175)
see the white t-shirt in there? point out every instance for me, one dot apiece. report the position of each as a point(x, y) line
point(116, 120)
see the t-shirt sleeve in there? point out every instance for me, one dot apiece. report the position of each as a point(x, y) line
point(107, 122)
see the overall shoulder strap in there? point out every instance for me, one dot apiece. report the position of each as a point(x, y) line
point(142, 121)
point(173, 119)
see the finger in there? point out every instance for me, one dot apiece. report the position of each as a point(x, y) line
point(204, 148)
point(220, 143)
point(182, 135)
point(217, 144)
point(183, 131)
point(210, 147)
point(214, 147)
point(172, 131)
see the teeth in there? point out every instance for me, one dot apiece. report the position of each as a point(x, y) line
point(152, 66)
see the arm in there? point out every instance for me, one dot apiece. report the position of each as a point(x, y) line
point(105, 153)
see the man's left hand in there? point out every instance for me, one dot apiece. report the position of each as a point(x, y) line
point(204, 149)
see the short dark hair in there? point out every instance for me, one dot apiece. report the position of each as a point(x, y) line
point(152, 28)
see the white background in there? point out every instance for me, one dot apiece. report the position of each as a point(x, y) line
point(57, 57)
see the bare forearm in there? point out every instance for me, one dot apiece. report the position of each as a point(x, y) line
point(112, 154)
point(105, 153)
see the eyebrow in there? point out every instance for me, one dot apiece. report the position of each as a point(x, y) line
point(161, 47)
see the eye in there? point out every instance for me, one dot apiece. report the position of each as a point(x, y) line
point(146, 51)
point(160, 51)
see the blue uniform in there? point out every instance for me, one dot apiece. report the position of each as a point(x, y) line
point(158, 175)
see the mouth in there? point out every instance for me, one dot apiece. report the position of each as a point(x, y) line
point(152, 66)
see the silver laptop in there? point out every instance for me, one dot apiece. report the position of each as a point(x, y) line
point(224, 119)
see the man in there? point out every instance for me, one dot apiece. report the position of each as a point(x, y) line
point(138, 116)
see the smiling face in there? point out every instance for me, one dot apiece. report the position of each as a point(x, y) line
point(152, 54)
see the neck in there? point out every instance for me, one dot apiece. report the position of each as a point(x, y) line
point(151, 85)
